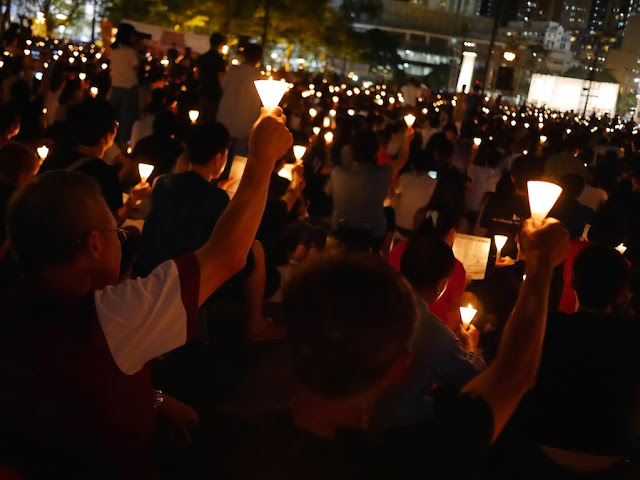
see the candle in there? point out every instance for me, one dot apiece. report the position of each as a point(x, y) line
point(83, 76)
point(94, 91)
point(43, 152)
point(351, 112)
point(467, 314)
point(543, 138)
point(409, 119)
point(542, 198)
point(326, 122)
point(500, 240)
point(313, 112)
point(271, 92)
point(477, 141)
point(287, 171)
point(145, 171)
point(299, 151)
point(193, 116)
point(316, 130)
point(621, 248)
point(328, 137)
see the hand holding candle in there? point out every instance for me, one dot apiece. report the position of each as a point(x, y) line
point(271, 92)
point(145, 171)
point(467, 314)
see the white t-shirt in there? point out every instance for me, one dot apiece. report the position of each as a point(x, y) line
point(143, 318)
point(483, 180)
point(124, 61)
point(593, 197)
point(415, 192)
point(240, 103)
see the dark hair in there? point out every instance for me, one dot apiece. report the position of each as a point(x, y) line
point(70, 88)
point(253, 53)
point(91, 120)
point(572, 185)
point(9, 118)
point(47, 218)
point(165, 124)
point(16, 159)
point(599, 275)
point(427, 261)
point(217, 39)
point(349, 317)
point(364, 148)
point(123, 36)
point(204, 142)
point(435, 222)
point(525, 169)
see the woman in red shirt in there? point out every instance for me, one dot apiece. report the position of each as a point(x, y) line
point(444, 224)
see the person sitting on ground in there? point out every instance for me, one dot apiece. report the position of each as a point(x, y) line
point(441, 223)
point(185, 208)
point(438, 358)
point(76, 392)
point(359, 191)
point(350, 320)
point(94, 127)
point(577, 420)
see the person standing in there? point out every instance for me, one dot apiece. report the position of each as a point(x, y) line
point(240, 104)
point(211, 70)
point(124, 79)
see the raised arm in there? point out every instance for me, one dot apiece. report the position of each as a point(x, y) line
point(226, 251)
point(514, 371)
point(403, 154)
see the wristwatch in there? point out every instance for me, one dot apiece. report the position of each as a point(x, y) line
point(158, 400)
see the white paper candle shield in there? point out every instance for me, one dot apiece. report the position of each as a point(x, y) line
point(477, 141)
point(43, 152)
point(326, 122)
point(542, 198)
point(328, 137)
point(313, 112)
point(409, 120)
point(271, 92)
point(193, 115)
point(467, 314)
point(299, 151)
point(621, 248)
point(500, 240)
point(287, 171)
point(145, 171)
point(316, 130)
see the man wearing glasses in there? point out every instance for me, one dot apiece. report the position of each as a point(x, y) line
point(76, 392)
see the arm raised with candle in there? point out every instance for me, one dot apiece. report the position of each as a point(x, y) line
point(226, 251)
point(514, 371)
point(403, 154)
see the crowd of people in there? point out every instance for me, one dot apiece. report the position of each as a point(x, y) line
point(279, 297)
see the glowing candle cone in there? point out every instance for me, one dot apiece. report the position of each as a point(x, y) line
point(82, 76)
point(621, 248)
point(543, 138)
point(313, 112)
point(94, 91)
point(299, 151)
point(409, 120)
point(145, 171)
point(477, 141)
point(316, 130)
point(326, 122)
point(467, 314)
point(500, 240)
point(43, 152)
point(328, 137)
point(287, 171)
point(271, 92)
point(542, 198)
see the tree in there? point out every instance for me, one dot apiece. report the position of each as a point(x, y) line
point(56, 12)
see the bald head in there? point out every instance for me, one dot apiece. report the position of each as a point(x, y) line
point(48, 218)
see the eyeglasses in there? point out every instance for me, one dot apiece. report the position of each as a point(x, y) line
point(121, 233)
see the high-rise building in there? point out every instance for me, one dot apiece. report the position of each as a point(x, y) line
point(507, 10)
point(575, 16)
point(540, 10)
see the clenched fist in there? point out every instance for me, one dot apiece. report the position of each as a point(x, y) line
point(270, 138)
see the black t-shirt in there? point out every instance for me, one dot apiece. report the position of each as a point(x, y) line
point(184, 210)
point(503, 215)
point(210, 64)
point(584, 396)
point(451, 445)
point(105, 175)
